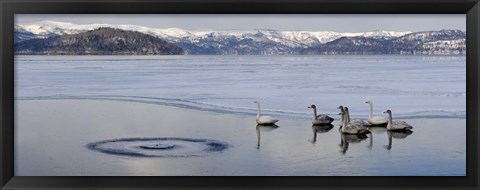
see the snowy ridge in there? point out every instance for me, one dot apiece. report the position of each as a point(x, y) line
point(289, 38)
point(384, 34)
point(50, 28)
point(273, 42)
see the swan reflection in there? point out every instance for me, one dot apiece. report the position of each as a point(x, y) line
point(264, 128)
point(374, 130)
point(396, 135)
point(346, 139)
point(377, 129)
point(370, 144)
point(320, 129)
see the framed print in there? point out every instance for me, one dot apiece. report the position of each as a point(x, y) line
point(230, 94)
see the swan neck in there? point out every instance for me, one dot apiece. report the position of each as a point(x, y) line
point(345, 122)
point(389, 124)
point(371, 110)
point(348, 116)
point(314, 113)
point(341, 117)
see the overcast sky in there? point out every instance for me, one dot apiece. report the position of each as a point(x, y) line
point(318, 22)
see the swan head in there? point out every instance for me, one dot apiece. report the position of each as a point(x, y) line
point(312, 106)
point(369, 102)
point(388, 112)
point(340, 107)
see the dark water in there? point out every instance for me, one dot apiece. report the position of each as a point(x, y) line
point(99, 137)
point(158, 147)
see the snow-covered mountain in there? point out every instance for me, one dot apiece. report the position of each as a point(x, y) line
point(426, 42)
point(102, 41)
point(259, 41)
point(50, 28)
point(289, 38)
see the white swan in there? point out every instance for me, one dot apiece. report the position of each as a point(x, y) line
point(375, 120)
point(264, 120)
point(320, 119)
point(398, 125)
point(349, 128)
point(356, 121)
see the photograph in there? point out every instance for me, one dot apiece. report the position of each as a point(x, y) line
point(240, 95)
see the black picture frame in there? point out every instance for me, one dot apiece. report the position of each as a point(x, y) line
point(11, 7)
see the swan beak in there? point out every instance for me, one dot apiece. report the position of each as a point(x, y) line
point(384, 112)
point(309, 107)
point(366, 102)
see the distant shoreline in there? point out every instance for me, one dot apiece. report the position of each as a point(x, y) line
point(127, 40)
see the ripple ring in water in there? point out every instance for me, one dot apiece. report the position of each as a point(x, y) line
point(170, 147)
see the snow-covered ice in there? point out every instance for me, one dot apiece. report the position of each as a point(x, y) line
point(411, 86)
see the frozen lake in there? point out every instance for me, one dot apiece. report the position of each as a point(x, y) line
point(193, 115)
point(411, 86)
point(117, 138)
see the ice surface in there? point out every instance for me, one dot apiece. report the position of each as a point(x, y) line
point(104, 138)
point(411, 86)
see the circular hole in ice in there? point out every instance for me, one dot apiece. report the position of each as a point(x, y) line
point(159, 147)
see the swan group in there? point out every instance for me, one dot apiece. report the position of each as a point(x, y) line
point(351, 131)
point(347, 126)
